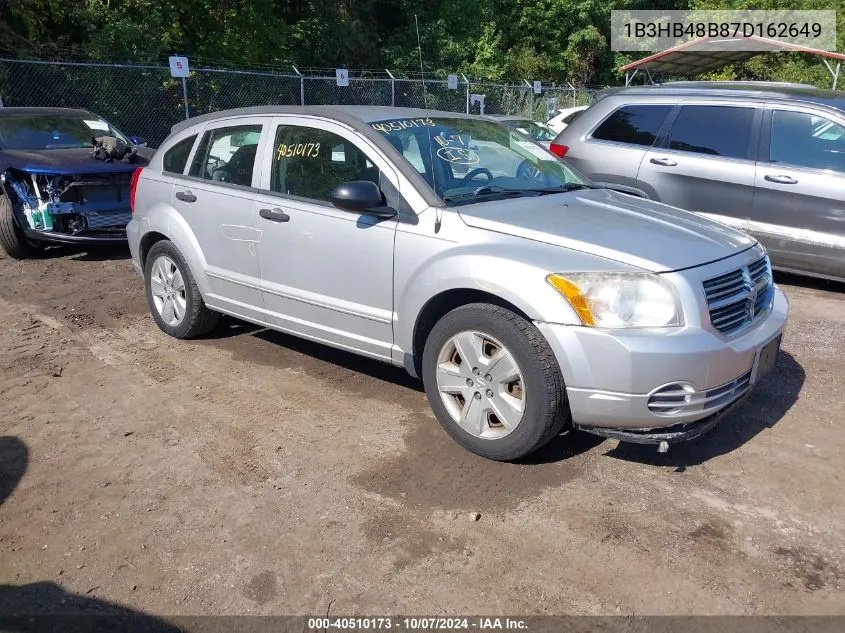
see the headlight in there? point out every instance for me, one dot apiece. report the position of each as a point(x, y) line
point(619, 300)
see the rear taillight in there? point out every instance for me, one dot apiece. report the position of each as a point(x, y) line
point(558, 150)
point(133, 187)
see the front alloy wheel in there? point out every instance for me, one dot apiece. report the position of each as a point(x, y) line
point(481, 385)
point(493, 382)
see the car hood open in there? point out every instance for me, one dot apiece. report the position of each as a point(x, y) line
point(624, 228)
point(66, 161)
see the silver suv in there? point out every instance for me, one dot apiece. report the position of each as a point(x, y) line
point(528, 300)
point(766, 159)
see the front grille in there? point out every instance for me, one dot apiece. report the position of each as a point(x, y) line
point(740, 297)
point(114, 220)
point(680, 398)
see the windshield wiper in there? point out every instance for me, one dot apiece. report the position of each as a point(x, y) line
point(486, 190)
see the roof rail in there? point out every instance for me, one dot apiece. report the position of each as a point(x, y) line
point(749, 83)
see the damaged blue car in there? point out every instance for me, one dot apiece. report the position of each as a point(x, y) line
point(65, 178)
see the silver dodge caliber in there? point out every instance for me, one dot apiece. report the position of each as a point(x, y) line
point(529, 301)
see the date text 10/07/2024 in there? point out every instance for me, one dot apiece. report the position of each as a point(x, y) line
point(417, 623)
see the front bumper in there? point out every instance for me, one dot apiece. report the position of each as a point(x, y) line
point(86, 238)
point(612, 377)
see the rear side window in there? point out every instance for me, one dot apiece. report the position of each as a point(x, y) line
point(634, 124)
point(227, 154)
point(176, 157)
point(715, 130)
point(309, 163)
point(807, 140)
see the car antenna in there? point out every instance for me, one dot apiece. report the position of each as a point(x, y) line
point(438, 219)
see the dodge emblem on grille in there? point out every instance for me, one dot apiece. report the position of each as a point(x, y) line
point(752, 302)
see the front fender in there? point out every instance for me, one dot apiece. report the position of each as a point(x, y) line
point(513, 270)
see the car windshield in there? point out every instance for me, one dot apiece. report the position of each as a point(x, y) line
point(467, 160)
point(530, 128)
point(52, 131)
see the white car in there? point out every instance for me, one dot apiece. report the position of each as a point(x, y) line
point(565, 117)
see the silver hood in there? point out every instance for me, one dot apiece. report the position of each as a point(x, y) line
point(627, 229)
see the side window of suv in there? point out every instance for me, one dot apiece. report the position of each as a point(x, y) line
point(176, 157)
point(309, 162)
point(807, 140)
point(715, 130)
point(633, 124)
point(227, 154)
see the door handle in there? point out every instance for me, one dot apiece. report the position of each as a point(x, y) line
point(186, 196)
point(782, 179)
point(666, 162)
point(274, 215)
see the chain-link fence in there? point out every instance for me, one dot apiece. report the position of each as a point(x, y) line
point(146, 101)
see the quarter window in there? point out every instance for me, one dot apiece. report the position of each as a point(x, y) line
point(714, 130)
point(635, 124)
point(176, 157)
point(310, 163)
point(227, 154)
point(807, 140)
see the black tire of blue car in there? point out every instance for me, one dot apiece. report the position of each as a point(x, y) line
point(12, 237)
point(198, 319)
point(546, 410)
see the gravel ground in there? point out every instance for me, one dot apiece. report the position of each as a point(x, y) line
point(254, 473)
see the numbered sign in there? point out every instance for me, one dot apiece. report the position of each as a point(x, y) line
point(179, 67)
point(538, 87)
point(452, 82)
point(342, 76)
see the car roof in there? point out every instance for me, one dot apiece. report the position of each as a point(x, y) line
point(352, 115)
point(738, 90)
point(14, 111)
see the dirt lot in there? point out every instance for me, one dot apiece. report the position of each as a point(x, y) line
point(255, 473)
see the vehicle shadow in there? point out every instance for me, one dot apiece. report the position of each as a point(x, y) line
point(766, 405)
point(230, 327)
point(86, 253)
point(810, 283)
point(14, 461)
point(563, 447)
point(348, 360)
point(47, 608)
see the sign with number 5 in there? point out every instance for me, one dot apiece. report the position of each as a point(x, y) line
point(179, 67)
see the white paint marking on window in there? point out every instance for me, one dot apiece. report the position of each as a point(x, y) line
point(96, 124)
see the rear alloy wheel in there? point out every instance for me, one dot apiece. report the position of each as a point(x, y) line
point(173, 295)
point(493, 382)
point(167, 287)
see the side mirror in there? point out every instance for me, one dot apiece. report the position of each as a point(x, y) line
point(361, 196)
point(137, 141)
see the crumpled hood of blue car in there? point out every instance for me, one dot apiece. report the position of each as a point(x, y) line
point(67, 161)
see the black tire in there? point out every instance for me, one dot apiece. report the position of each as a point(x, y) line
point(12, 238)
point(546, 410)
point(198, 319)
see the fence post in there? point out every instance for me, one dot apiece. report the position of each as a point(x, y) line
point(185, 97)
point(467, 83)
point(301, 85)
point(392, 87)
